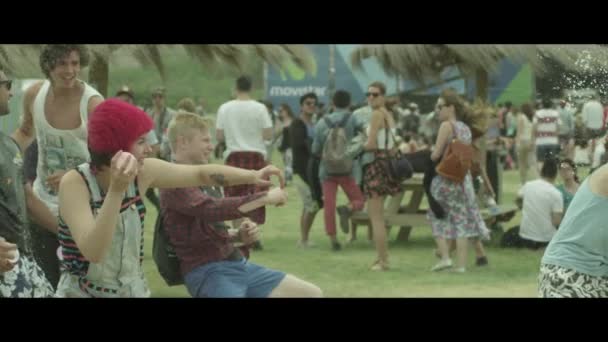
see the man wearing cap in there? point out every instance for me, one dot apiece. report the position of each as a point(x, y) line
point(162, 115)
point(20, 274)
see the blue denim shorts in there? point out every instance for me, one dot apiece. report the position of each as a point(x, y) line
point(232, 279)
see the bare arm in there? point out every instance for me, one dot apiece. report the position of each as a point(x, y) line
point(266, 133)
point(93, 103)
point(39, 212)
point(445, 131)
point(93, 235)
point(556, 219)
point(374, 125)
point(25, 134)
point(161, 174)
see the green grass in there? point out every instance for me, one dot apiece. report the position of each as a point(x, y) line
point(511, 273)
point(184, 79)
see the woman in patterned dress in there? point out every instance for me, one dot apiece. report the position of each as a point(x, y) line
point(463, 219)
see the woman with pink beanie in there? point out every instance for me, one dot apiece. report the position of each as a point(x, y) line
point(102, 213)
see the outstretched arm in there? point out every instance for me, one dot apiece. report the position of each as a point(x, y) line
point(161, 174)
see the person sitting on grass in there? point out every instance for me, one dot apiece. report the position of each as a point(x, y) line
point(542, 210)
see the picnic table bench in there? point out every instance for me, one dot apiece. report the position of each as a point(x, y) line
point(408, 215)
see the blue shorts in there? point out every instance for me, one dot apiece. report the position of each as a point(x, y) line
point(232, 279)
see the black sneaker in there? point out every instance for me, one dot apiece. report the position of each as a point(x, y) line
point(344, 214)
point(482, 261)
point(335, 246)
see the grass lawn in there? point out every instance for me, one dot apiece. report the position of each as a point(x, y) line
point(511, 272)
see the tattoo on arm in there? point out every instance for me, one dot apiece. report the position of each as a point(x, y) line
point(219, 179)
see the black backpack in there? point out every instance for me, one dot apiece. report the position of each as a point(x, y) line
point(164, 255)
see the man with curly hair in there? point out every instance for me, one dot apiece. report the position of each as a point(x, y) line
point(55, 113)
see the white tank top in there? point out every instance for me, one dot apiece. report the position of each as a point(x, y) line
point(58, 149)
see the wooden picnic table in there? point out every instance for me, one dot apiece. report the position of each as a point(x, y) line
point(408, 215)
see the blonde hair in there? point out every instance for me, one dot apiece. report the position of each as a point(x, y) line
point(186, 124)
point(480, 112)
point(187, 104)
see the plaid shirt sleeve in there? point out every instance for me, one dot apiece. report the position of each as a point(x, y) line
point(194, 202)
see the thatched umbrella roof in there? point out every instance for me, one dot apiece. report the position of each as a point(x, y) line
point(423, 61)
point(22, 60)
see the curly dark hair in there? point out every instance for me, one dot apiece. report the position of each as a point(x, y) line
point(52, 53)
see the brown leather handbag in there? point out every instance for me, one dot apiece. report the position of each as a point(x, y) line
point(457, 160)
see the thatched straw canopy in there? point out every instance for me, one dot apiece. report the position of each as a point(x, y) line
point(423, 61)
point(22, 60)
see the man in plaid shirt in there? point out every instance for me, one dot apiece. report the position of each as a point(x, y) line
point(211, 265)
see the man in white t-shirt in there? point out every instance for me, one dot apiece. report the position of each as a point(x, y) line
point(244, 124)
point(542, 209)
point(593, 119)
point(545, 132)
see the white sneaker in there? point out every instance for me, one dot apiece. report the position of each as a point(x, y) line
point(305, 245)
point(458, 270)
point(442, 265)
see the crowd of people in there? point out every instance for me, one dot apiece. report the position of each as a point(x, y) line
point(71, 211)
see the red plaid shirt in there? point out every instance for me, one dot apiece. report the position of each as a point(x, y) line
point(188, 214)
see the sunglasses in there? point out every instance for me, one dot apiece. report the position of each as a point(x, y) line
point(8, 83)
point(372, 94)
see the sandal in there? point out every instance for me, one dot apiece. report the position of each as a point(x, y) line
point(380, 266)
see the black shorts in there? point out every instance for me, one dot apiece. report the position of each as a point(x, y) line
point(543, 152)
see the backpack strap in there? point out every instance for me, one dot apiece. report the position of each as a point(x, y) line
point(85, 172)
point(328, 122)
point(344, 120)
point(341, 123)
